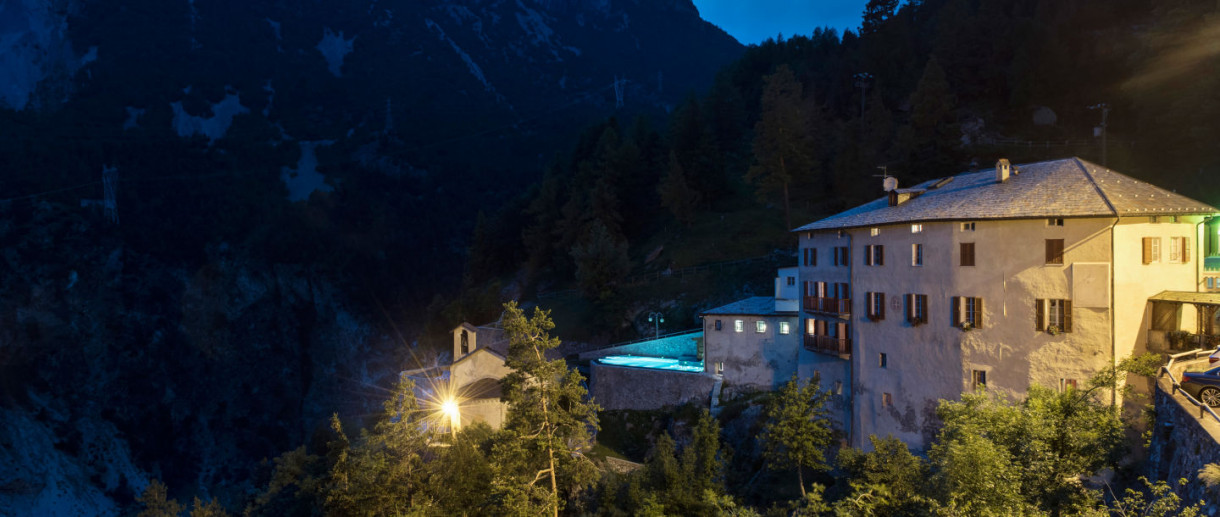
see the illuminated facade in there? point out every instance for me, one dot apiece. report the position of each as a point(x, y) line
point(1034, 274)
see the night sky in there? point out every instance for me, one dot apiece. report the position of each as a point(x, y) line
point(756, 20)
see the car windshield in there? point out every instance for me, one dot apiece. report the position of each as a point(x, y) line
point(1214, 371)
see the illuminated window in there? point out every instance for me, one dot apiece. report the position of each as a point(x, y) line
point(917, 254)
point(784, 328)
point(968, 227)
point(916, 228)
point(978, 379)
point(874, 231)
point(739, 326)
point(760, 326)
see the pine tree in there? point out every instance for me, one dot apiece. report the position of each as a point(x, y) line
point(676, 193)
point(877, 12)
point(782, 139)
point(156, 503)
point(932, 140)
point(539, 463)
point(797, 429)
point(601, 260)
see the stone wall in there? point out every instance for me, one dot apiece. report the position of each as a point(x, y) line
point(679, 346)
point(619, 387)
point(1182, 443)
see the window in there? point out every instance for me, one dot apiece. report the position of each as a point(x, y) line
point(784, 328)
point(842, 256)
point(917, 254)
point(719, 367)
point(791, 280)
point(810, 256)
point(1054, 221)
point(968, 227)
point(887, 400)
point(978, 379)
point(916, 228)
point(838, 388)
point(1179, 250)
point(465, 342)
point(1054, 251)
point(967, 312)
point(874, 255)
point(1067, 384)
point(874, 232)
point(739, 326)
point(967, 254)
point(917, 308)
point(1152, 249)
point(876, 306)
point(1054, 316)
point(718, 325)
point(1154, 219)
point(760, 326)
point(883, 361)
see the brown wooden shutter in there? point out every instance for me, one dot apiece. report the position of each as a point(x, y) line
point(881, 304)
point(957, 311)
point(910, 303)
point(846, 256)
point(1147, 250)
point(1050, 251)
point(880, 254)
point(978, 313)
point(1185, 250)
point(1067, 315)
point(813, 255)
point(1040, 322)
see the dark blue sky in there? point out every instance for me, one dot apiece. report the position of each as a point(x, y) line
point(752, 21)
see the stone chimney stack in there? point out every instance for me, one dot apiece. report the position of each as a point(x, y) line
point(1002, 170)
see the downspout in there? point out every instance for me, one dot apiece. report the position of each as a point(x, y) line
point(851, 363)
point(1113, 309)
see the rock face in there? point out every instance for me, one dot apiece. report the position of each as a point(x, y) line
point(117, 367)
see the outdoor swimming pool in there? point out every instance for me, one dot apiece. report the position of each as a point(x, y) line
point(656, 363)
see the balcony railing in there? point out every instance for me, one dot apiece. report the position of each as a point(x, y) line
point(827, 305)
point(828, 345)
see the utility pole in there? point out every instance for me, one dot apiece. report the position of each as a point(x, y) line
point(1105, 113)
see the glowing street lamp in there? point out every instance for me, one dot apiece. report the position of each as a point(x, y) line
point(656, 319)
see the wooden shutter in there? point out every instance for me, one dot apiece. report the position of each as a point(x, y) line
point(1147, 250)
point(813, 256)
point(1054, 251)
point(880, 254)
point(978, 313)
point(1067, 315)
point(1185, 250)
point(955, 302)
point(881, 305)
point(846, 256)
point(967, 254)
point(909, 299)
point(1040, 321)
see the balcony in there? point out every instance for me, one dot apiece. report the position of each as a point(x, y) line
point(831, 345)
point(826, 305)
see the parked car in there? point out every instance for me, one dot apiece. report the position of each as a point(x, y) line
point(1215, 357)
point(1203, 386)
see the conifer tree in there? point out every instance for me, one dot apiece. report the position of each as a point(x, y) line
point(601, 260)
point(932, 139)
point(156, 502)
point(797, 429)
point(782, 139)
point(676, 193)
point(539, 463)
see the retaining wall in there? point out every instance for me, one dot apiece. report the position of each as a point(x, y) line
point(621, 387)
point(1182, 443)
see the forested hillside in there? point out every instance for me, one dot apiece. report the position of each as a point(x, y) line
point(925, 89)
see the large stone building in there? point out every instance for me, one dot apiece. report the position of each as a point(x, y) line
point(1037, 274)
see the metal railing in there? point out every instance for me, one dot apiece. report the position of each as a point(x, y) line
point(1204, 409)
point(828, 344)
point(828, 305)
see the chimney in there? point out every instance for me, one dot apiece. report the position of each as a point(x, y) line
point(1002, 170)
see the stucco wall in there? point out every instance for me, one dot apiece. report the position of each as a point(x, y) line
point(1135, 281)
point(752, 360)
point(489, 411)
point(1182, 444)
point(615, 387)
point(834, 375)
point(481, 363)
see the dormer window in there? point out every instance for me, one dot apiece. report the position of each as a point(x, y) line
point(968, 227)
point(874, 231)
point(916, 228)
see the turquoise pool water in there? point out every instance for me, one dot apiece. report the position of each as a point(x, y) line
point(656, 363)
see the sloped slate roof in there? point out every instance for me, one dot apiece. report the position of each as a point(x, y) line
point(756, 306)
point(1060, 188)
